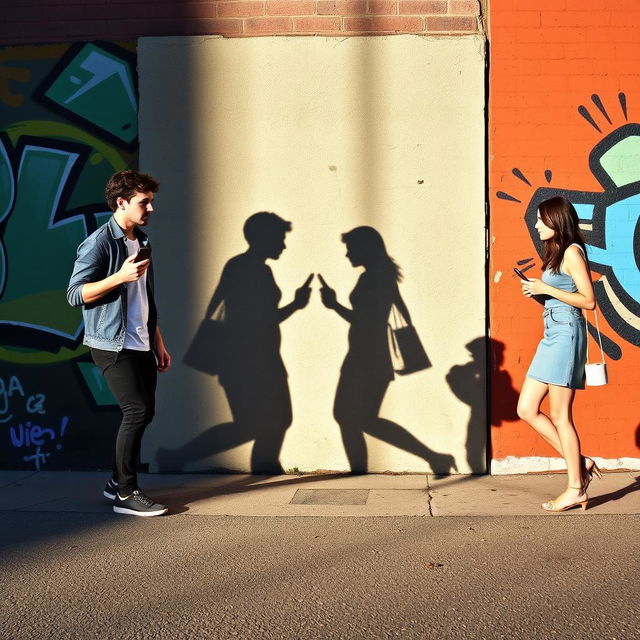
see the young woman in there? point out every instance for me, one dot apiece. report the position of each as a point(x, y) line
point(367, 369)
point(557, 368)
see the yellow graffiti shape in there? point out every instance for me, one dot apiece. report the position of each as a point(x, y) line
point(14, 56)
point(33, 52)
point(63, 131)
point(8, 75)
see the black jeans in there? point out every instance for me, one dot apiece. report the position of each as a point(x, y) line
point(131, 376)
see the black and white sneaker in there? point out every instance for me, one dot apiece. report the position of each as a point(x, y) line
point(137, 504)
point(110, 489)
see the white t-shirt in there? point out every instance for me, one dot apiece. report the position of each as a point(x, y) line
point(137, 336)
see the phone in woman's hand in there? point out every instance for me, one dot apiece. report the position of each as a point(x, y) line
point(520, 274)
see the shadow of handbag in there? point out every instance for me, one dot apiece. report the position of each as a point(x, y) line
point(595, 372)
point(206, 350)
point(407, 353)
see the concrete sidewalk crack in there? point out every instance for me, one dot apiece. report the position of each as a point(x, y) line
point(429, 496)
point(19, 480)
point(37, 504)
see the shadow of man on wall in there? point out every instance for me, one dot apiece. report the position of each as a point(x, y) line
point(467, 382)
point(367, 370)
point(248, 362)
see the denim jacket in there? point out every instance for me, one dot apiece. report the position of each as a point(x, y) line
point(99, 256)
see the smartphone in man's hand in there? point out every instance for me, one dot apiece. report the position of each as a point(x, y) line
point(144, 253)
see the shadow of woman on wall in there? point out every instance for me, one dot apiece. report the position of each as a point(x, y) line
point(367, 369)
point(468, 383)
point(250, 368)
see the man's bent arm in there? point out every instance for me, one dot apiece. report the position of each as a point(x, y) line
point(86, 286)
point(92, 291)
point(130, 271)
point(87, 269)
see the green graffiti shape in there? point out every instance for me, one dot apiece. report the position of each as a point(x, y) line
point(40, 253)
point(38, 250)
point(7, 193)
point(96, 383)
point(622, 161)
point(6, 184)
point(98, 86)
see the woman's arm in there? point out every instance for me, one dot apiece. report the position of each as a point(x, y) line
point(344, 312)
point(575, 266)
point(330, 301)
point(401, 306)
point(216, 300)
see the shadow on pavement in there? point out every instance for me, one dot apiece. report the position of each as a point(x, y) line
point(615, 495)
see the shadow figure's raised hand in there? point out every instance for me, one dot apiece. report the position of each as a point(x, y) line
point(301, 298)
point(327, 294)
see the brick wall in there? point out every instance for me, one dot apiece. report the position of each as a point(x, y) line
point(30, 21)
point(564, 90)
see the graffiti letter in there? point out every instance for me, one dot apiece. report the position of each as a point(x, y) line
point(20, 441)
point(14, 385)
point(38, 433)
point(37, 457)
point(35, 403)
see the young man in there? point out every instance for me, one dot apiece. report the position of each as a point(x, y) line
point(114, 286)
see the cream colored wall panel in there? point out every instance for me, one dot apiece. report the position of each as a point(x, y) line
point(329, 134)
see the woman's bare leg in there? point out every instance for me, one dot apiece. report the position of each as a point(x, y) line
point(531, 397)
point(560, 405)
point(557, 429)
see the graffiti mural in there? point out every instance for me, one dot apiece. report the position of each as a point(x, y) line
point(32, 436)
point(607, 200)
point(68, 120)
point(609, 220)
point(565, 121)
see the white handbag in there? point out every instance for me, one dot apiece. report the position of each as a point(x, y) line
point(596, 372)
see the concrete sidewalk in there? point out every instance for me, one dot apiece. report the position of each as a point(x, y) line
point(321, 494)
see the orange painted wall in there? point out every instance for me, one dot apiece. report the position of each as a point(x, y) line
point(549, 57)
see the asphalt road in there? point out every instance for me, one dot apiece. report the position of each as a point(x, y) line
point(79, 575)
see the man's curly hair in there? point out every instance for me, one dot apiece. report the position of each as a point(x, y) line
point(125, 184)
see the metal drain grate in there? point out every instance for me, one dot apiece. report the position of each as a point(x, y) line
point(330, 496)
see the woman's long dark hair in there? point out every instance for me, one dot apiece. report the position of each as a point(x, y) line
point(560, 215)
point(371, 245)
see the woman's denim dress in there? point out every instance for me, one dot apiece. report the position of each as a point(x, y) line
point(561, 354)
